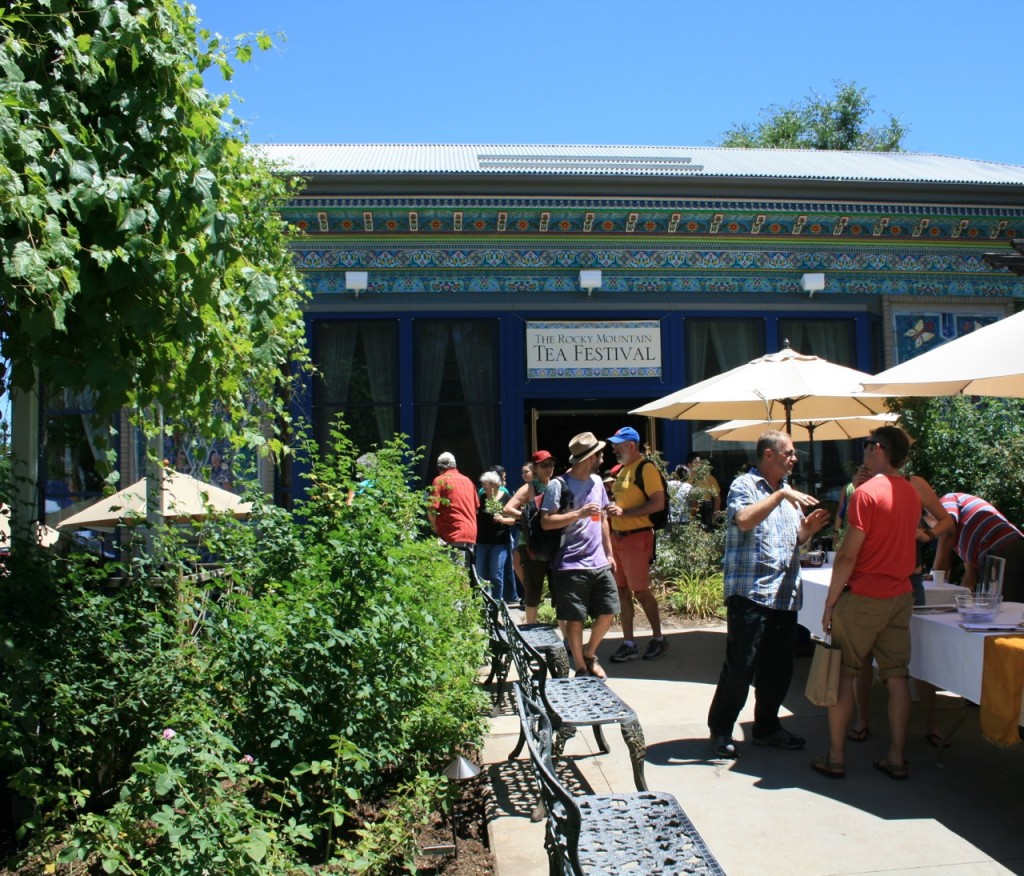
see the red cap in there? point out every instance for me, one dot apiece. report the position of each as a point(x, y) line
point(540, 456)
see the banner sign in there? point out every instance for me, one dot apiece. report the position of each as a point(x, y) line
point(593, 349)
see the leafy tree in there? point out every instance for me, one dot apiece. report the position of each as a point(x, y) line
point(817, 122)
point(142, 257)
point(963, 445)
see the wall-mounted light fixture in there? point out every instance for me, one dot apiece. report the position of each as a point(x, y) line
point(812, 283)
point(590, 280)
point(356, 281)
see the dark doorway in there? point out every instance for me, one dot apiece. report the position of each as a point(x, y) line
point(555, 428)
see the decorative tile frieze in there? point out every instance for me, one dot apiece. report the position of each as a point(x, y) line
point(565, 257)
point(568, 216)
point(322, 282)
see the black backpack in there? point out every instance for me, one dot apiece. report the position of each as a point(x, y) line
point(543, 544)
point(659, 519)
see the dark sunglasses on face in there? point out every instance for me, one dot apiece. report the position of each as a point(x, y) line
point(868, 442)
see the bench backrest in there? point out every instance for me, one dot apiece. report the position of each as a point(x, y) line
point(562, 827)
point(491, 612)
point(531, 666)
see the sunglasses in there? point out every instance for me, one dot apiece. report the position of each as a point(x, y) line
point(545, 464)
point(868, 442)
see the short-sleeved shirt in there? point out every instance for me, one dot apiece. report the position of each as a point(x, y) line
point(762, 564)
point(454, 502)
point(628, 494)
point(582, 544)
point(887, 510)
point(980, 527)
point(678, 501)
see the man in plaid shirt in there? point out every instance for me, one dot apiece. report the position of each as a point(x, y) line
point(765, 528)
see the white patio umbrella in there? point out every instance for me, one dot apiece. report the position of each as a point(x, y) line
point(780, 386)
point(835, 429)
point(184, 499)
point(988, 361)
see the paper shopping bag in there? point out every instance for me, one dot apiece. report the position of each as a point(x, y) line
point(823, 679)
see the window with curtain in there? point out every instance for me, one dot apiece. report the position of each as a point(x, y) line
point(75, 461)
point(832, 339)
point(457, 401)
point(358, 363)
point(835, 340)
point(714, 346)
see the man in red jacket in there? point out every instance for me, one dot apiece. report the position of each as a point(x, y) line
point(453, 504)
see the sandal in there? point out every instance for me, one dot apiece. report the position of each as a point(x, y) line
point(594, 668)
point(935, 740)
point(897, 771)
point(829, 768)
point(858, 735)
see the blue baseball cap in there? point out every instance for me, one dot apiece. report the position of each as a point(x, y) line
point(626, 433)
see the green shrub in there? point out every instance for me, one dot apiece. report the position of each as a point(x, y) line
point(687, 550)
point(969, 446)
point(696, 596)
point(334, 664)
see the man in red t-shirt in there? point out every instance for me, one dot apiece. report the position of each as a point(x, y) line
point(870, 599)
point(453, 505)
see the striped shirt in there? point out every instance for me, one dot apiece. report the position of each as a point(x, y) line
point(980, 527)
point(762, 564)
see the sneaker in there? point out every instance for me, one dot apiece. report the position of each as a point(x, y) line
point(781, 738)
point(625, 652)
point(724, 747)
point(655, 648)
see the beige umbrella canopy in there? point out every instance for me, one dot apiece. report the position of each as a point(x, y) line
point(988, 361)
point(835, 429)
point(45, 536)
point(780, 386)
point(184, 499)
point(803, 430)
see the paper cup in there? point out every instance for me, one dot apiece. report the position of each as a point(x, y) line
point(938, 577)
point(830, 557)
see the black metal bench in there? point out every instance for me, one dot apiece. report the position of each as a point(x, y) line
point(571, 703)
point(642, 832)
point(543, 638)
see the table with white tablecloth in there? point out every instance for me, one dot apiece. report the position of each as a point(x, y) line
point(941, 652)
point(816, 581)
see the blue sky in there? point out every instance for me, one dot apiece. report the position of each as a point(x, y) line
point(647, 72)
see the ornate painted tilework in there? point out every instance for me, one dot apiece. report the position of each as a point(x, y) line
point(763, 283)
point(916, 333)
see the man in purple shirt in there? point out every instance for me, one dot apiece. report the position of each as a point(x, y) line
point(581, 571)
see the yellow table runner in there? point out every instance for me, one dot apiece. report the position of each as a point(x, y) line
point(1002, 682)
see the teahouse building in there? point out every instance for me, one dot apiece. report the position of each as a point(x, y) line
point(487, 300)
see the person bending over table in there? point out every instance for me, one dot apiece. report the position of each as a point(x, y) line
point(981, 531)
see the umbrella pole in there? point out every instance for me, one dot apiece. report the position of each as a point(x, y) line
point(810, 437)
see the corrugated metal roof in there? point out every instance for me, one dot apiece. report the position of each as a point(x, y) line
point(666, 161)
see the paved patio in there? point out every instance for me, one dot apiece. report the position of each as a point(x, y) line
point(768, 812)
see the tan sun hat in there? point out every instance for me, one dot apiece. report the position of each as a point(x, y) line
point(583, 446)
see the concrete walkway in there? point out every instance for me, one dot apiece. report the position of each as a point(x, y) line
point(768, 813)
